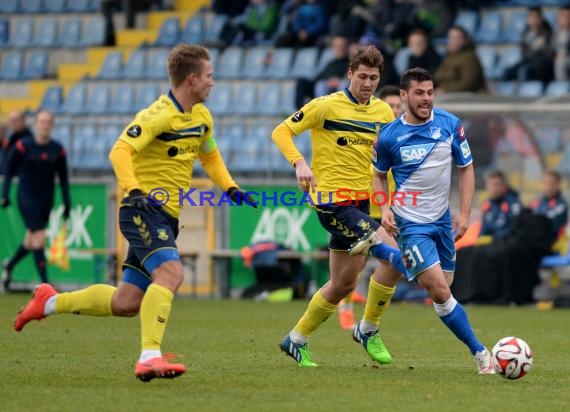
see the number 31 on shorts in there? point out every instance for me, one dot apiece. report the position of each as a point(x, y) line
point(413, 255)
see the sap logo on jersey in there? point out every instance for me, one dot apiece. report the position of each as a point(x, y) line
point(415, 154)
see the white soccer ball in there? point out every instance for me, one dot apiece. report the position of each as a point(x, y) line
point(512, 357)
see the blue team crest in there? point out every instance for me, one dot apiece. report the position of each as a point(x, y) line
point(434, 132)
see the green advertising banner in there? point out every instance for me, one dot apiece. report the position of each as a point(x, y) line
point(86, 229)
point(281, 217)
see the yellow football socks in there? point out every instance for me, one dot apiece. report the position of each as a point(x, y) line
point(378, 300)
point(155, 308)
point(317, 312)
point(94, 300)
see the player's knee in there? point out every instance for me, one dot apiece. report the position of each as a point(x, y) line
point(343, 287)
point(440, 293)
point(448, 277)
point(169, 274)
point(125, 308)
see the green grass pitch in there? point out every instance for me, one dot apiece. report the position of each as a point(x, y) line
point(77, 363)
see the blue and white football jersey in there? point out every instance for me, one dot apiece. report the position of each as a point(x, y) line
point(420, 157)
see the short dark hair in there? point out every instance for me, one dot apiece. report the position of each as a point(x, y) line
point(496, 174)
point(389, 90)
point(368, 56)
point(185, 59)
point(553, 173)
point(417, 73)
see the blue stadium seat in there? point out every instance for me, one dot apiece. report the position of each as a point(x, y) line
point(531, 88)
point(95, 5)
point(55, 6)
point(401, 60)
point(31, 6)
point(37, 65)
point(4, 32)
point(288, 93)
point(551, 17)
point(220, 99)
point(78, 6)
point(491, 27)
point(156, 67)
point(169, 33)
point(52, 98)
point(22, 33)
point(112, 66)
point(506, 88)
point(245, 98)
point(123, 99)
point(98, 99)
point(325, 58)
point(269, 99)
point(136, 65)
point(194, 30)
point(46, 34)
point(214, 28)
point(12, 65)
point(214, 58)
point(280, 66)
point(305, 62)
point(62, 134)
point(277, 162)
point(515, 27)
point(8, 6)
point(147, 94)
point(468, 20)
point(84, 138)
point(558, 88)
point(488, 58)
point(71, 32)
point(109, 134)
point(508, 56)
point(74, 102)
point(230, 62)
point(94, 32)
point(254, 62)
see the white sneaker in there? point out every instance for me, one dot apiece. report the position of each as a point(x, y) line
point(484, 362)
point(362, 246)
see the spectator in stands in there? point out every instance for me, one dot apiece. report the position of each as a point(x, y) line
point(18, 130)
point(391, 95)
point(552, 204)
point(257, 23)
point(308, 23)
point(132, 7)
point(460, 70)
point(536, 44)
point(499, 210)
point(422, 52)
point(389, 75)
point(348, 20)
point(331, 78)
point(562, 45)
point(230, 8)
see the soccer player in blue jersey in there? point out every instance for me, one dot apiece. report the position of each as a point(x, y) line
point(156, 150)
point(419, 148)
point(343, 128)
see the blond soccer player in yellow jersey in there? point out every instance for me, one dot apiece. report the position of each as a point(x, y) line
point(343, 127)
point(156, 150)
point(391, 95)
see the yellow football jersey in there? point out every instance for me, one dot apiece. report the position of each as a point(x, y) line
point(167, 141)
point(342, 134)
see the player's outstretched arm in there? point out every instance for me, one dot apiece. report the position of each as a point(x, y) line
point(466, 191)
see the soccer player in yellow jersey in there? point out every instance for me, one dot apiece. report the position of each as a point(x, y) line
point(343, 127)
point(156, 150)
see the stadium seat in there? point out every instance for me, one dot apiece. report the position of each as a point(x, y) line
point(94, 32)
point(508, 56)
point(12, 65)
point(531, 88)
point(488, 58)
point(62, 134)
point(71, 32)
point(4, 32)
point(31, 6)
point(169, 33)
point(51, 99)
point(82, 145)
point(401, 60)
point(74, 102)
point(245, 96)
point(230, 62)
point(147, 94)
point(506, 88)
point(220, 99)
point(136, 65)
point(8, 6)
point(305, 62)
point(94, 5)
point(214, 58)
point(254, 63)
point(156, 67)
point(325, 58)
point(78, 6)
point(55, 6)
point(468, 20)
point(36, 65)
point(288, 93)
point(122, 101)
point(214, 28)
point(269, 99)
point(98, 99)
point(280, 65)
point(22, 33)
point(194, 30)
point(491, 26)
point(558, 88)
point(515, 27)
point(46, 34)
point(112, 66)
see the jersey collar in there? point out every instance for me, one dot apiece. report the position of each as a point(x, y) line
point(352, 98)
point(403, 120)
point(178, 106)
